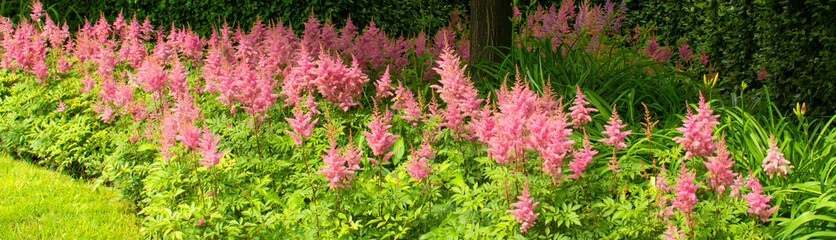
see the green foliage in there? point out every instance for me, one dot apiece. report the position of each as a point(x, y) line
point(406, 17)
point(41, 204)
point(791, 40)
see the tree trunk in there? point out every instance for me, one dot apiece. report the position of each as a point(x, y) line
point(490, 26)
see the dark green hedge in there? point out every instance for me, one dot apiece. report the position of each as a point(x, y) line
point(793, 40)
point(393, 16)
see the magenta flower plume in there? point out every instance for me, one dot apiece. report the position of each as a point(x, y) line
point(758, 203)
point(697, 129)
point(774, 162)
point(686, 195)
point(685, 51)
point(339, 83)
point(302, 124)
point(483, 124)
point(704, 58)
point(580, 114)
point(382, 85)
point(299, 78)
point(582, 157)
point(613, 130)
point(380, 139)
point(208, 148)
point(524, 210)
point(37, 11)
point(719, 167)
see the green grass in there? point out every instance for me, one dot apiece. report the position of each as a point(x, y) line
point(36, 203)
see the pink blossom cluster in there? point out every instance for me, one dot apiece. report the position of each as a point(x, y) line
point(515, 107)
point(524, 210)
point(379, 138)
point(758, 202)
point(774, 163)
point(613, 130)
point(418, 166)
point(580, 113)
point(582, 157)
point(340, 165)
point(686, 190)
point(719, 166)
point(302, 124)
point(456, 90)
point(553, 24)
point(697, 130)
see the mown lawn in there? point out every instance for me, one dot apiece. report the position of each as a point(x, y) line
point(36, 203)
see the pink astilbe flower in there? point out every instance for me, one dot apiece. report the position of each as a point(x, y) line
point(672, 234)
point(383, 87)
point(686, 195)
point(418, 166)
point(380, 139)
point(300, 77)
point(774, 162)
point(613, 130)
point(704, 58)
point(339, 83)
point(661, 55)
point(737, 185)
point(339, 167)
point(685, 51)
point(302, 124)
point(652, 46)
point(515, 107)
point(37, 11)
point(208, 147)
point(483, 124)
point(189, 136)
point(456, 90)
point(697, 129)
point(151, 75)
point(524, 210)
point(61, 106)
point(404, 101)
point(758, 203)
point(549, 134)
point(719, 167)
point(582, 157)
point(580, 114)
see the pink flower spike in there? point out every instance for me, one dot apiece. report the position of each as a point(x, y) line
point(719, 167)
point(583, 157)
point(208, 148)
point(418, 166)
point(774, 162)
point(61, 106)
point(302, 124)
point(580, 114)
point(758, 203)
point(672, 234)
point(382, 85)
point(380, 139)
point(697, 130)
point(613, 130)
point(524, 212)
point(686, 195)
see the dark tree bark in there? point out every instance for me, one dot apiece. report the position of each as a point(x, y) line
point(490, 25)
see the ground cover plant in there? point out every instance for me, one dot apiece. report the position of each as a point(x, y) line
point(349, 133)
point(38, 203)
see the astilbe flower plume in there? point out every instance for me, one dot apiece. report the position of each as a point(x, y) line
point(340, 165)
point(672, 234)
point(686, 195)
point(515, 106)
point(613, 131)
point(382, 85)
point(302, 124)
point(685, 51)
point(719, 166)
point(697, 129)
point(300, 76)
point(758, 202)
point(580, 113)
point(582, 157)
point(339, 83)
point(524, 210)
point(549, 134)
point(380, 139)
point(774, 163)
point(418, 166)
point(662, 200)
point(208, 148)
point(404, 101)
point(456, 90)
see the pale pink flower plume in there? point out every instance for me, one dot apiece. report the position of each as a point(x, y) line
point(613, 130)
point(524, 210)
point(61, 106)
point(419, 167)
point(339, 167)
point(300, 77)
point(208, 148)
point(774, 162)
point(758, 203)
point(662, 201)
point(580, 114)
point(737, 185)
point(721, 176)
point(404, 101)
point(380, 139)
point(382, 85)
point(37, 11)
point(686, 195)
point(302, 124)
point(697, 130)
point(339, 83)
point(582, 157)
point(456, 90)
